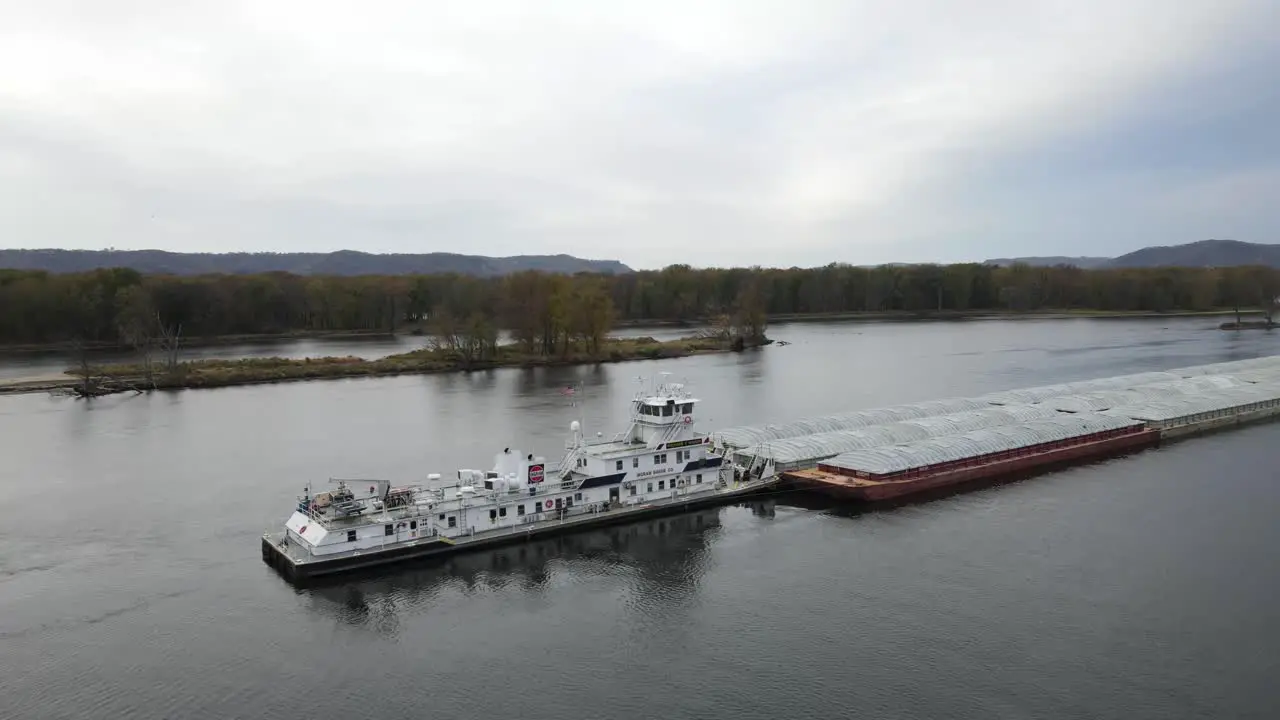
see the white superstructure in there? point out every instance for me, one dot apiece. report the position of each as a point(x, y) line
point(659, 460)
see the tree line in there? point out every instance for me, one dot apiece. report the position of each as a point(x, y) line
point(546, 312)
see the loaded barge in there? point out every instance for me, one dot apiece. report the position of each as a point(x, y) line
point(660, 464)
point(904, 451)
point(894, 472)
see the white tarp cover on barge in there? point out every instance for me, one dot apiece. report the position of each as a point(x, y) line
point(1129, 391)
point(1036, 394)
point(1153, 392)
point(805, 451)
point(1256, 375)
point(899, 458)
point(1230, 367)
point(747, 435)
point(1189, 408)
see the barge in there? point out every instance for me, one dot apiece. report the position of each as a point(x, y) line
point(898, 471)
point(952, 438)
point(659, 464)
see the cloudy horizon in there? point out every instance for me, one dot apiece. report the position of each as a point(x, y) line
point(714, 133)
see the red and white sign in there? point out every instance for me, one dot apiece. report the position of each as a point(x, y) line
point(535, 474)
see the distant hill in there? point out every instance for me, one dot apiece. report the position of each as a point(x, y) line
point(343, 262)
point(1204, 253)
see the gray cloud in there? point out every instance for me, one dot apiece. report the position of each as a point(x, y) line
point(721, 133)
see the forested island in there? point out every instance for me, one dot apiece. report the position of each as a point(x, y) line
point(556, 318)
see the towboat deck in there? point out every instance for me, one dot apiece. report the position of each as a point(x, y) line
point(296, 562)
point(375, 515)
point(297, 554)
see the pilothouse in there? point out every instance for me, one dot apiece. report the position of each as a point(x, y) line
point(660, 462)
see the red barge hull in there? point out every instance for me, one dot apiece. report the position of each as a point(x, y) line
point(842, 484)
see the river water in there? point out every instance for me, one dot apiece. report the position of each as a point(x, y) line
point(131, 584)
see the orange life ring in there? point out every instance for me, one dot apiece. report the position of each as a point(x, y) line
point(688, 419)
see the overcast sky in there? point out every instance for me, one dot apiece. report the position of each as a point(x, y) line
point(797, 132)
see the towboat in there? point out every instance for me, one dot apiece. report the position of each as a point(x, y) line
point(660, 463)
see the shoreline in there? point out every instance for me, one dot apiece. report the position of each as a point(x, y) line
point(413, 330)
point(206, 342)
point(215, 373)
point(952, 315)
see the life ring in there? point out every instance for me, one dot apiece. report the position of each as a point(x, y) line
point(688, 419)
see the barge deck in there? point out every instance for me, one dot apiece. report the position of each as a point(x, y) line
point(845, 484)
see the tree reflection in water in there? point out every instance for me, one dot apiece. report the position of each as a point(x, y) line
point(661, 557)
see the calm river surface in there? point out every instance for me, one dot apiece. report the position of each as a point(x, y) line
point(131, 584)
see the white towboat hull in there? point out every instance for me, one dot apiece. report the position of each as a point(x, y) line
point(297, 564)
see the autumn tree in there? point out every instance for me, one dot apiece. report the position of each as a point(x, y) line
point(526, 300)
point(751, 313)
point(135, 320)
point(592, 314)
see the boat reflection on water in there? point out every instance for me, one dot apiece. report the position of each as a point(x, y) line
point(667, 553)
point(815, 502)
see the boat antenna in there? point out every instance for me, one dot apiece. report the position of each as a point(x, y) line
point(582, 413)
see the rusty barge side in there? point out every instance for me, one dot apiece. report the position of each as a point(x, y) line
point(846, 484)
